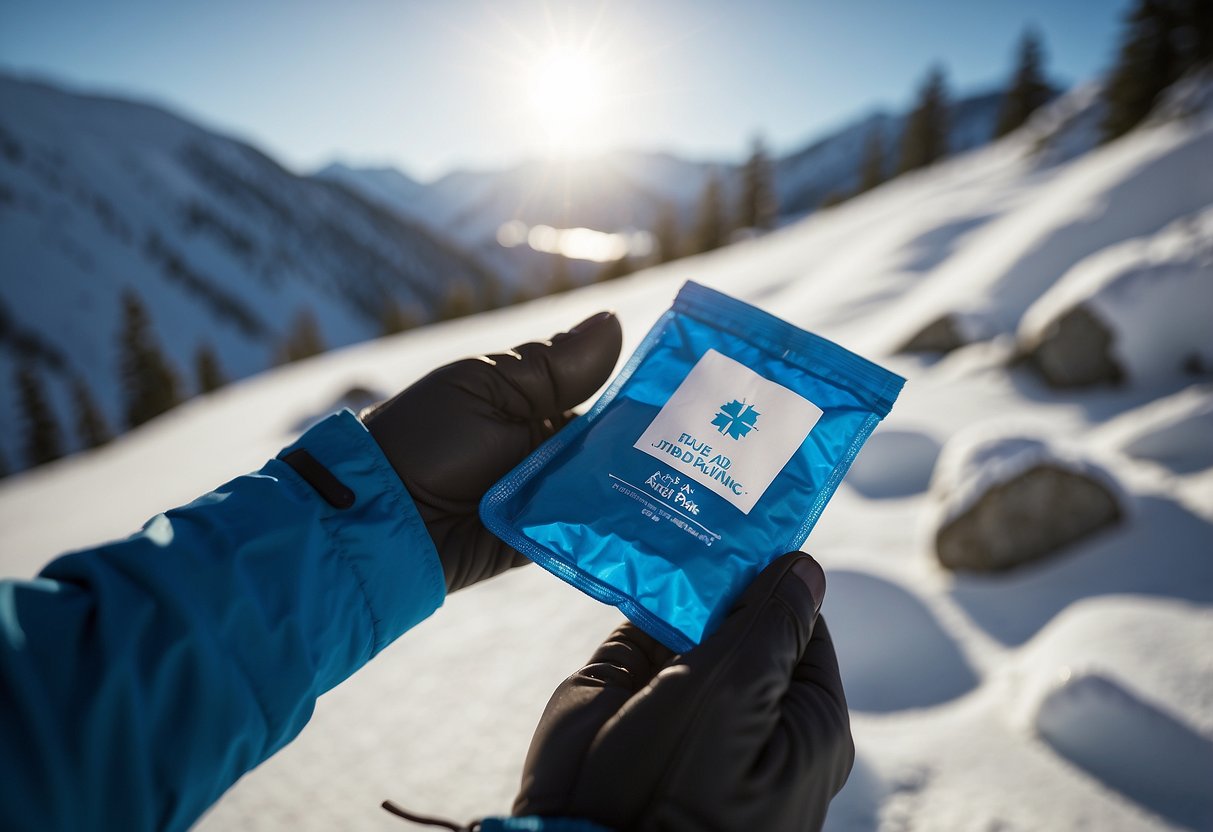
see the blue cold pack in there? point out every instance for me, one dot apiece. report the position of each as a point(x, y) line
point(713, 452)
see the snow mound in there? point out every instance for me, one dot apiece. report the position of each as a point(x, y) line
point(894, 463)
point(1007, 498)
point(988, 455)
point(1130, 745)
point(1176, 431)
point(1153, 295)
point(895, 655)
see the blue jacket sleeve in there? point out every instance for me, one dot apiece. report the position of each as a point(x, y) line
point(140, 679)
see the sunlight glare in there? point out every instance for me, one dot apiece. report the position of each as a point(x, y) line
point(567, 89)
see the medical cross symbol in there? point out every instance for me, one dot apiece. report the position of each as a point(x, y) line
point(736, 419)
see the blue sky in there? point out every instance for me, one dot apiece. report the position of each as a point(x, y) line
point(431, 86)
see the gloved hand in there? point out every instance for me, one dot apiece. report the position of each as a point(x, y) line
point(748, 731)
point(457, 431)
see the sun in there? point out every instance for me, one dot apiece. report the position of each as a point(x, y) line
point(566, 90)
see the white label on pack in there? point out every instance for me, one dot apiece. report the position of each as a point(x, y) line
point(729, 429)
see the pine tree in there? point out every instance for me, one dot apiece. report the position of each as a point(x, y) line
point(43, 440)
point(758, 203)
point(561, 279)
point(833, 198)
point(872, 168)
point(206, 367)
point(150, 384)
point(925, 140)
point(710, 230)
point(613, 269)
point(304, 338)
point(1148, 62)
point(457, 303)
point(666, 234)
point(396, 318)
point(91, 428)
point(1028, 90)
point(1198, 22)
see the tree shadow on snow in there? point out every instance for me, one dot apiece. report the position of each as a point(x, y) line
point(1161, 549)
point(893, 653)
point(928, 250)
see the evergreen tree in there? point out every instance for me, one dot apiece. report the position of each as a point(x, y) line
point(304, 338)
point(1162, 40)
point(1147, 63)
point(43, 440)
point(1198, 21)
point(457, 303)
point(91, 428)
point(758, 203)
point(150, 384)
point(925, 140)
point(833, 198)
point(710, 229)
point(206, 368)
point(396, 318)
point(1029, 89)
point(872, 168)
point(666, 234)
point(613, 269)
point(561, 279)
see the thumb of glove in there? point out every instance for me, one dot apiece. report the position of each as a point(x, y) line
point(542, 380)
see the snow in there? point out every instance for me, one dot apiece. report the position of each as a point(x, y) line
point(222, 246)
point(952, 679)
point(993, 453)
point(1131, 746)
point(1154, 294)
point(1175, 432)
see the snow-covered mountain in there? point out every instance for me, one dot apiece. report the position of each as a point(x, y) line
point(628, 190)
point(223, 246)
point(1073, 693)
point(830, 165)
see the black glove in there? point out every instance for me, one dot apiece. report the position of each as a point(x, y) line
point(748, 731)
point(457, 431)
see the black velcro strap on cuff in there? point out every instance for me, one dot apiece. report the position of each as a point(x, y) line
point(334, 492)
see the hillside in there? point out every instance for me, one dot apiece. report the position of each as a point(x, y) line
point(224, 247)
point(1075, 692)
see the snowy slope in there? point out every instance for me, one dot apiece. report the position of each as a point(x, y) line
point(1040, 699)
point(222, 245)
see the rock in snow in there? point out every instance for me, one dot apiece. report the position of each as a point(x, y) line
point(1134, 310)
point(1009, 499)
point(941, 335)
point(949, 332)
point(1076, 350)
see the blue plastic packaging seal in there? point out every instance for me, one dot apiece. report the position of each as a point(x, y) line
point(712, 452)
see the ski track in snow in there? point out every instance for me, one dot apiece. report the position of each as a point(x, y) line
point(977, 702)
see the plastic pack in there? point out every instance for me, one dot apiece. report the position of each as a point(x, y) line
point(712, 452)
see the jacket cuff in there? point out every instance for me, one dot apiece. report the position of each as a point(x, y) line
point(380, 537)
point(537, 824)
